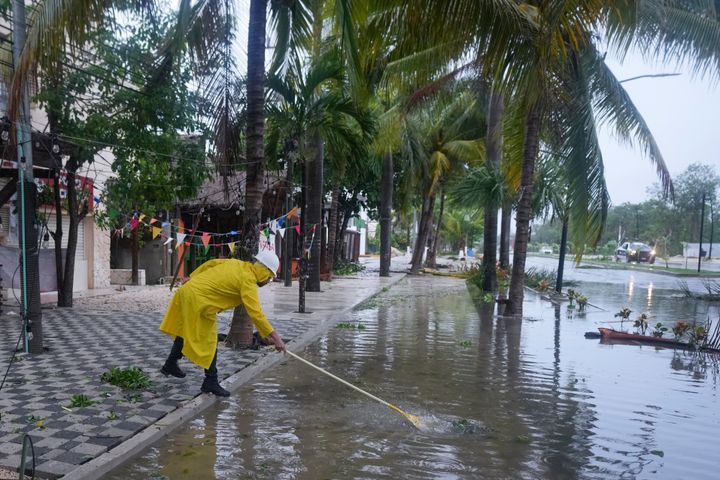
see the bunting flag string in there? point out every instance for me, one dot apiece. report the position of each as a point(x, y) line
point(272, 226)
point(186, 236)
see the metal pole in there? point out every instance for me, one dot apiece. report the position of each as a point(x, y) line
point(712, 230)
point(288, 243)
point(702, 225)
point(30, 275)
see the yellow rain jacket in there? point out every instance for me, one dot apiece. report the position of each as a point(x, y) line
point(215, 286)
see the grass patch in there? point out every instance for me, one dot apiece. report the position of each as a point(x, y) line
point(131, 378)
point(650, 268)
point(80, 401)
point(466, 343)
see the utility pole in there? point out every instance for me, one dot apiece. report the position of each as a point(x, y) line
point(712, 230)
point(30, 271)
point(288, 240)
point(702, 224)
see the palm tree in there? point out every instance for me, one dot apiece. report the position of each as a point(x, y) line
point(448, 133)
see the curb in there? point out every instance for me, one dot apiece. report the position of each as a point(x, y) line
point(103, 464)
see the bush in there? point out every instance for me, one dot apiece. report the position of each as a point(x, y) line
point(540, 278)
point(348, 268)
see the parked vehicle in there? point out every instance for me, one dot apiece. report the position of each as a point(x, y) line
point(635, 252)
point(546, 250)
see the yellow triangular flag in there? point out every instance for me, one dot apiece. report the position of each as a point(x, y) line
point(155, 232)
point(231, 245)
point(140, 218)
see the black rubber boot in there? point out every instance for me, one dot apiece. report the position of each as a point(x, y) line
point(214, 388)
point(172, 368)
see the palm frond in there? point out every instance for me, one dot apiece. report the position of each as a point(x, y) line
point(615, 107)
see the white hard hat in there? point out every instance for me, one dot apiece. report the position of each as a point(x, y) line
point(269, 259)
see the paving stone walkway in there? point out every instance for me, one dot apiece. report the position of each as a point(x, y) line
point(83, 344)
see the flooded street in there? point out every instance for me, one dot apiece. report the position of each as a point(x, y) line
point(498, 397)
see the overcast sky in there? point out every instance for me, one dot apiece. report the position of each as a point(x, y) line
point(684, 115)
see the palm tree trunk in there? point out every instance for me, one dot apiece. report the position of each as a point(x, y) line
point(531, 148)
point(333, 227)
point(431, 261)
point(386, 215)
point(494, 145)
point(423, 233)
point(314, 211)
point(240, 335)
point(346, 216)
point(505, 222)
point(561, 260)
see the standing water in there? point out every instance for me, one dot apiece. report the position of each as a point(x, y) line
point(498, 397)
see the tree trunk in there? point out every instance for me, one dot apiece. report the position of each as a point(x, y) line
point(314, 210)
point(423, 233)
point(57, 239)
point(134, 254)
point(75, 217)
point(241, 329)
point(494, 145)
point(505, 223)
point(431, 261)
point(563, 250)
point(240, 335)
point(386, 215)
point(333, 228)
point(347, 215)
point(524, 210)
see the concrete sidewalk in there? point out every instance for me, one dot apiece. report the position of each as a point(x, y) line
point(85, 342)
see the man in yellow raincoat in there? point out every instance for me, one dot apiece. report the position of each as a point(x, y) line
point(191, 317)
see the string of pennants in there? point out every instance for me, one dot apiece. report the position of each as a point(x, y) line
point(185, 236)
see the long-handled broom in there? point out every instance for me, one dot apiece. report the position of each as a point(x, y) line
point(411, 418)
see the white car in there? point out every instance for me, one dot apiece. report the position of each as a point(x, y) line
point(546, 250)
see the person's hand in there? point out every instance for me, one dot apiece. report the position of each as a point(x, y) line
point(279, 344)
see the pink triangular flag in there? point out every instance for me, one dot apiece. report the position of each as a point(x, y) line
point(297, 229)
point(205, 239)
point(134, 223)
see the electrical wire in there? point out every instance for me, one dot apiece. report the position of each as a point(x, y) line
point(22, 330)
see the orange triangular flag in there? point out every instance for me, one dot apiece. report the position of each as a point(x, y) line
point(292, 213)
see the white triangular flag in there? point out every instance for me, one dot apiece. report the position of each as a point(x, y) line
point(180, 239)
point(170, 239)
point(281, 231)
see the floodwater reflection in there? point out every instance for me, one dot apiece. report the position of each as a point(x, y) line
point(506, 398)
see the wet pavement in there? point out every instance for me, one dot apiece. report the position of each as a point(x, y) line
point(85, 342)
point(498, 397)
